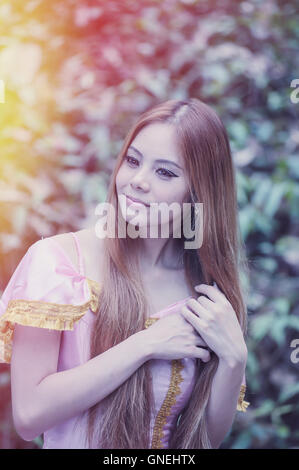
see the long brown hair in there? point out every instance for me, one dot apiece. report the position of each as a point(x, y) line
point(122, 419)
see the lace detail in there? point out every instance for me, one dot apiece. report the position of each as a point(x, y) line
point(150, 321)
point(170, 399)
point(168, 403)
point(6, 334)
point(172, 392)
point(42, 315)
point(94, 289)
point(242, 405)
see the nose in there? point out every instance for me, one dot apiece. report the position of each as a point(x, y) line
point(140, 181)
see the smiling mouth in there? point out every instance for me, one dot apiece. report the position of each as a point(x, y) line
point(135, 201)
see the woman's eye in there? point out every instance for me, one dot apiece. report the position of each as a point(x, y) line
point(167, 173)
point(134, 162)
point(130, 158)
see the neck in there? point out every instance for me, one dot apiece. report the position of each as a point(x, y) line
point(160, 253)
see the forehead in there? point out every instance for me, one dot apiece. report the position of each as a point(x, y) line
point(158, 140)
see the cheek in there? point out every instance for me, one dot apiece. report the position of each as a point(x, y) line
point(120, 178)
point(176, 192)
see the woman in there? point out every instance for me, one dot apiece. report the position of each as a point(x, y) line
point(139, 343)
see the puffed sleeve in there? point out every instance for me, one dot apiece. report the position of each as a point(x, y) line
point(44, 291)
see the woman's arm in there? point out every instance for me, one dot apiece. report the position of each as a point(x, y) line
point(214, 318)
point(43, 397)
point(222, 404)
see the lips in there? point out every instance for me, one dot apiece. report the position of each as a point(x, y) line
point(132, 199)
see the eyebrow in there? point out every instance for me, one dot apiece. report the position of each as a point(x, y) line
point(159, 160)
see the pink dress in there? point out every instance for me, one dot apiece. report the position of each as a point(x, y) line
point(47, 291)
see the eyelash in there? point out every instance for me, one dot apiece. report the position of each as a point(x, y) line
point(169, 173)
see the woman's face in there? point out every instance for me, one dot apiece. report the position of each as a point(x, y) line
point(142, 176)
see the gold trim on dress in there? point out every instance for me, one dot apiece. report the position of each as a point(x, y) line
point(168, 403)
point(173, 391)
point(94, 289)
point(42, 314)
point(170, 399)
point(242, 405)
point(150, 321)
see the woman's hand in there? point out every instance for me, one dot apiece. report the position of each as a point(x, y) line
point(172, 337)
point(216, 321)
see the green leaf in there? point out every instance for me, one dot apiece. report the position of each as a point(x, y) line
point(262, 192)
point(288, 392)
point(292, 163)
point(267, 264)
point(274, 100)
point(288, 248)
point(293, 322)
point(246, 218)
point(243, 441)
point(264, 131)
point(283, 431)
point(274, 199)
point(282, 305)
point(277, 331)
point(265, 409)
point(261, 325)
point(259, 431)
point(238, 131)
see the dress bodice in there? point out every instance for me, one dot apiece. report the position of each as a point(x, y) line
point(172, 383)
point(47, 291)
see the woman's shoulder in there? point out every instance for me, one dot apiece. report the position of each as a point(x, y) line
point(91, 250)
point(46, 290)
point(66, 242)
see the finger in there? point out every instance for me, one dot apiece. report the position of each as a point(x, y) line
point(193, 319)
point(199, 309)
point(200, 342)
point(212, 292)
point(202, 354)
point(205, 303)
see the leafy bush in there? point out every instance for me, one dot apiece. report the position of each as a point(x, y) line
point(77, 75)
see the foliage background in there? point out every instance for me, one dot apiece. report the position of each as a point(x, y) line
point(76, 77)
